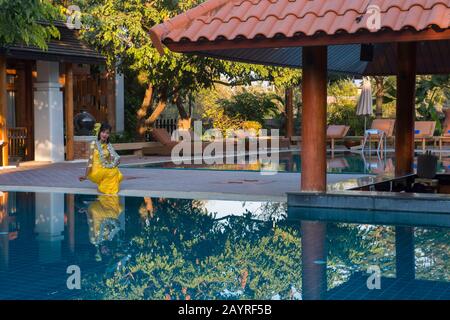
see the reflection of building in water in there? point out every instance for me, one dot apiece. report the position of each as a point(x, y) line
point(49, 225)
point(103, 218)
point(4, 231)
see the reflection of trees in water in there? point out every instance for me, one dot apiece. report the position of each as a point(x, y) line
point(432, 254)
point(184, 253)
point(353, 248)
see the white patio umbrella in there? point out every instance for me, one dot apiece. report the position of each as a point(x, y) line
point(364, 106)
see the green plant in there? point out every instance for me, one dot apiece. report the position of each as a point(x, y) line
point(249, 106)
point(251, 125)
point(28, 22)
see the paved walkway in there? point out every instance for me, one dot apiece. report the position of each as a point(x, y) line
point(176, 183)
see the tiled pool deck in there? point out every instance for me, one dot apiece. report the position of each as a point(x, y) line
point(222, 185)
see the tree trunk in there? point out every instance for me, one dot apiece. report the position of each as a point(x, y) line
point(181, 110)
point(379, 81)
point(141, 114)
point(162, 103)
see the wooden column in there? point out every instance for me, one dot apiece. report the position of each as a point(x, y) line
point(405, 113)
point(404, 253)
point(289, 113)
point(3, 110)
point(314, 260)
point(68, 108)
point(70, 202)
point(314, 95)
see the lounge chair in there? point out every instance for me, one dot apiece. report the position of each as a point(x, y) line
point(445, 137)
point(424, 131)
point(336, 133)
point(386, 126)
point(167, 144)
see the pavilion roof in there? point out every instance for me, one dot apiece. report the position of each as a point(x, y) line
point(272, 32)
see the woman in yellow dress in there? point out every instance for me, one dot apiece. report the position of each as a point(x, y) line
point(103, 161)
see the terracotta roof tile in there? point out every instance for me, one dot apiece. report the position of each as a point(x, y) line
point(230, 19)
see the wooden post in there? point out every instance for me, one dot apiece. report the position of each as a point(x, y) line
point(405, 113)
point(404, 252)
point(4, 232)
point(314, 93)
point(68, 103)
point(289, 113)
point(314, 260)
point(111, 101)
point(70, 201)
point(3, 111)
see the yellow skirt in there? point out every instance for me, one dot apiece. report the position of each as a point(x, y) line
point(107, 180)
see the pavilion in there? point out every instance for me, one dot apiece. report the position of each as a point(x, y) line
point(42, 90)
point(367, 37)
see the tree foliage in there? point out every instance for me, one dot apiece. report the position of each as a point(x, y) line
point(28, 22)
point(120, 30)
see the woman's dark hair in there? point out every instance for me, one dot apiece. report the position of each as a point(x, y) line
point(105, 126)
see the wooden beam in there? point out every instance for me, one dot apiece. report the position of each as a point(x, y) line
point(289, 112)
point(314, 95)
point(385, 36)
point(68, 108)
point(405, 112)
point(3, 110)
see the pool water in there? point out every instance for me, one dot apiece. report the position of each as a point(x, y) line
point(158, 248)
point(290, 161)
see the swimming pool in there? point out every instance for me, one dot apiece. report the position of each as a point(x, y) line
point(160, 248)
point(290, 161)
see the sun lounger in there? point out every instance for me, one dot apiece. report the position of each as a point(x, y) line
point(381, 129)
point(167, 144)
point(445, 137)
point(336, 133)
point(424, 131)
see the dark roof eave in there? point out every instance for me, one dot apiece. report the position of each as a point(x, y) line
point(27, 54)
point(383, 36)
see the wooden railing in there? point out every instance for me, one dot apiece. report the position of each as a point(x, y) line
point(17, 138)
point(169, 124)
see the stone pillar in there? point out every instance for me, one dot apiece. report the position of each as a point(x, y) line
point(48, 113)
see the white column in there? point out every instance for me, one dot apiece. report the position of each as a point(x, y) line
point(48, 113)
point(120, 103)
point(49, 225)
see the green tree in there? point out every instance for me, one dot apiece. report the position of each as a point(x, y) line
point(432, 92)
point(120, 30)
point(28, 22)
point(251, 106)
